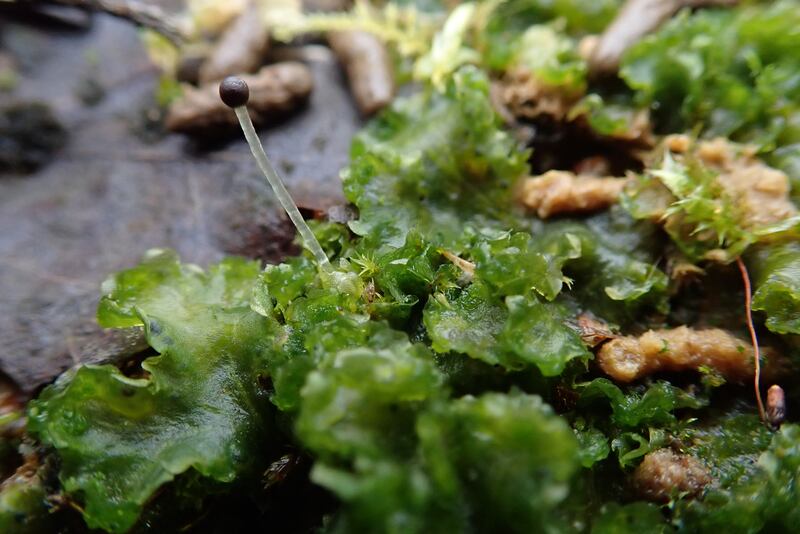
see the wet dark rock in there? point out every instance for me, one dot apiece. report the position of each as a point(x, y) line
point(108, 196)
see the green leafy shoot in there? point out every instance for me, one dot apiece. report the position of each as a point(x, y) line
point(515, 334)
point(516, 263)
point(435, 377)
point(552, 58)
point(757, 490)
point(448, 51)
point(701, 216)
point(655, 406)
point(406, 172)
point(730, 72)
point(406, 28)
point(776, 276)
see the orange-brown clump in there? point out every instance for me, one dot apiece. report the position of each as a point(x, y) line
point(628, 358)
point(558, 192)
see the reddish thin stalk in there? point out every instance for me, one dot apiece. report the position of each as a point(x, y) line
point(753, 337)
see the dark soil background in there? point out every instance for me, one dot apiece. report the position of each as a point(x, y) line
point(119, 187)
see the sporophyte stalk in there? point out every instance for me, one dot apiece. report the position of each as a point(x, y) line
point(235, 93)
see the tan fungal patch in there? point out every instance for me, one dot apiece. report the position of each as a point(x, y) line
point(629, 358)
point(557, 192)
point(761, 193)
point(678, 143)
point(664, 474)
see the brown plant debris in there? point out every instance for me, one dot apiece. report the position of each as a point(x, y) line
point(368, 66)
point(240, 50)
point(557, 192)
point(526, 97)
point(592, 331)
point(636, 19)
point(275, 91)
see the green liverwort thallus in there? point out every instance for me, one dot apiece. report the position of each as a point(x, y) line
point(235, 93)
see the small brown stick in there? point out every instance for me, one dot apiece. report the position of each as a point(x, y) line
point(368, 67)
point(636, 19)
point(753, 337)
point(466, 266)
point(147, 16)
point(242, 48)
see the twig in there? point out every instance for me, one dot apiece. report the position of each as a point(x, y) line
point(636, 19)
point(753, 338)
point(144, 15)
point(466, 266)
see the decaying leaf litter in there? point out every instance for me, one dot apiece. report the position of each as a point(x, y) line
point(458, 329)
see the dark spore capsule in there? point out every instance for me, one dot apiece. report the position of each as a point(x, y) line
point(234, 92)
